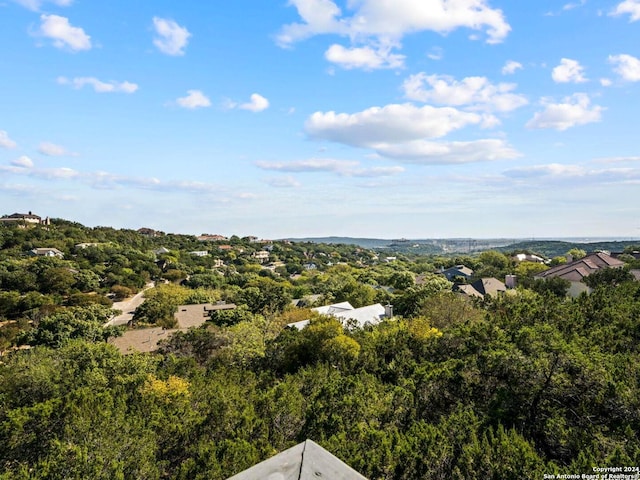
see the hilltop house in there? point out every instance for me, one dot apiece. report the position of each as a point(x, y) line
point(577, 270)
point(25, 219)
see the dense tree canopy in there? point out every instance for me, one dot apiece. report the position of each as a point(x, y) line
point(515, 386)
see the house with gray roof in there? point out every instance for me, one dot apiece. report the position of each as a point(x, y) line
point(482, 287)
point(456, 271)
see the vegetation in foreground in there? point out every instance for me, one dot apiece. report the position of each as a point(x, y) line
point(513, 387)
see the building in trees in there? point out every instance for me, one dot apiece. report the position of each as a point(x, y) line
point(482, 287)
point(577, 270)
point(456, 271)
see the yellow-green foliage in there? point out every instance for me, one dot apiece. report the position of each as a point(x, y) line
point(166, 390)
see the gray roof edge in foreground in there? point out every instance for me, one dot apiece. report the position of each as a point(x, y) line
point(305, 461)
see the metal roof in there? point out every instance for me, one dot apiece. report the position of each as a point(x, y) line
point(305, 461)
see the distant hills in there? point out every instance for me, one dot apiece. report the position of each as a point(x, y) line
point(546, 247)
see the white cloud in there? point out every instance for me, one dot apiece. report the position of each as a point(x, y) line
point(434, 153)
point(257, 103)
point(632, 7)
point(569, 71)
point(436, 53)
point(283, 182)
point(571, 6)
point(576, 173)
point(627, 66)
point(606, 82)
point(23, 162)
point(52, 150)
point(35, 5)
point(5, 141)
point(366, 58)
point(63, 33)
point(475, 92)
point(395, 123)
point(343, 168)
point(98, 85)
point(511, 67)
point(194, 99)
point(383, 19)
point(575, 110)
point(172, 38)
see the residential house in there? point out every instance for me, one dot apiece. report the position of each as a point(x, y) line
point(199, 253)
point(261, 255)
point(577, 270)
point(162, 251)
point(205, 237)
point(47, 252)
point(457, 271)
point(148, 339)
point(82, 246)
point(305, 461)
point(189, 316)
point(348, 315)
point(527, 257)
point(482, 287)
point(149, 232)
point(25, 219)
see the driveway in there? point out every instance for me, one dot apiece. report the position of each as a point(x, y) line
point(127, 307)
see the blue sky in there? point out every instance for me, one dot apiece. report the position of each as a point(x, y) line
point(379, 118)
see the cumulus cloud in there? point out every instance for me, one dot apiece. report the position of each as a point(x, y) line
point(573, 111)
point(52, 150)
point(171, 38)
point(35, 5)
point(23, 162)
point(606, 82)
point(343, 168)
point(366, 58)
point(569, 71)
point(382, 19)
point(395, 123)
point(627, 66)
point(5, 141)
point(98, 85)
point(63, 33)
point(475, 92)
point(434, 153)
point(194, 99)
point(511, 67)
point(257, 103)
point(631, 7)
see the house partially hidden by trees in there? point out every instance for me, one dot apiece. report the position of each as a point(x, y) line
point(347, 314)
point(305, 461)
point(456, 271)
point(46, 252)
point(482, 287)
point(576, 271)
